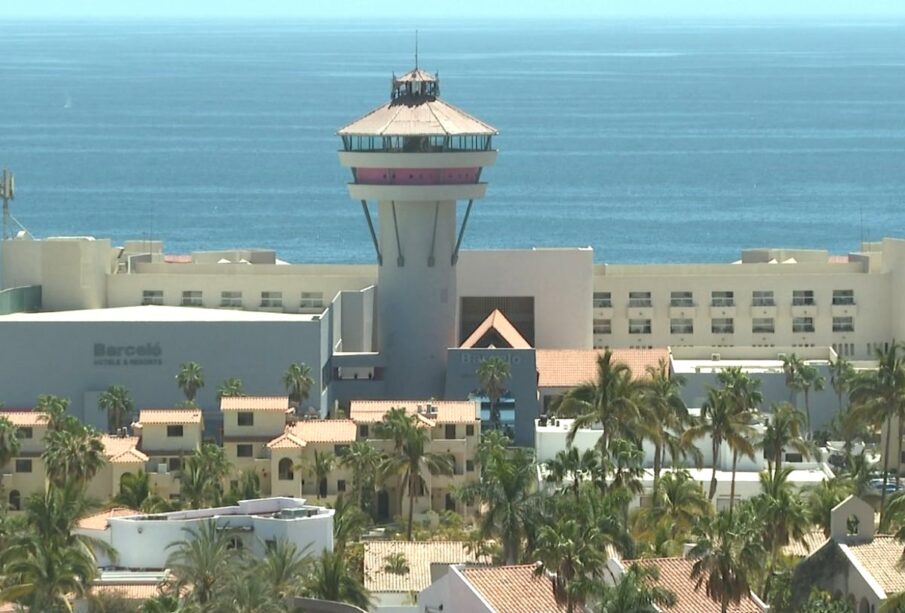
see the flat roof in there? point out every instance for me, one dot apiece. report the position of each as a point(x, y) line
point(153, 313)
point(753, 365)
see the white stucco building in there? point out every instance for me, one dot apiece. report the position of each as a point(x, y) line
point(143, 541)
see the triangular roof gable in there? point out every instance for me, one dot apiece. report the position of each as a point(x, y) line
point(501, 328)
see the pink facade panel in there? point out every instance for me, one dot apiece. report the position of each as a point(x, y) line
point(416, 176)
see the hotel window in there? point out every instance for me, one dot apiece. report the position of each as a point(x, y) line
point(363, 431)
point(26, 432)
point(174, 464)
point(312, 300)
point(763, 325)
point(469, 430)
point(245, 418)
point(23, 465)
point(843, 324)
point(639, 326)
point(639, 299)
point(244, 451)
point(722, 299)
point(803, 297)
point(174, 431)
point(272, 300)
point(723, 325)
point(843, 296)
point(469, 466)
point(340, 485)
point(449, 431)
point(762, 298)
point(794, 457)
point(603, 326)
point(230, 299)
point(340, 450)
point(681, 326)
point(603, 300)
point(191, 298)
point(284, 470)
point(802, 324)
point(152, 296)
point(681, 299)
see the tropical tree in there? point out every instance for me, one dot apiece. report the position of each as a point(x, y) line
point(612, 401)
point(664, 415)
point(636, 592)
point(493, 375)
point(782, 431)
point(575, 552)
point(572, 464)
point(202, 474)
point(44, 575)
point(249, 593)
point(349, 521)
point(331, 579)
point(677, 506)
point(791, 368)
point(320, 468)
point(283, 567)
point(783, 513)
point(298, 382)
point(841, 374)
point(73, 456)
point(363, 460)
point(397, 564)
point(505, 490)
point(135, 493)
point(230, 387)
point(55, 407)
point(407, 464)
point(820, 601)
point(117, 403)
point(202, 561)
point(246, 487)
point(878, 397)
point(727, 555)
point(10, 444)
point(823, 498)
point(190, 379)
point(810, 379)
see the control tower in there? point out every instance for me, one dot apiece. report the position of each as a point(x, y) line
point(415, 157)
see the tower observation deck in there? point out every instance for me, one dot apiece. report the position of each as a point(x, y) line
point(416, 156)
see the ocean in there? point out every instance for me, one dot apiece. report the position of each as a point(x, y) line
point(651, 141)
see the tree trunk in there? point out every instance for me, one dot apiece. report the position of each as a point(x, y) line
point(724, 604)
point(411, 505)
point(807, 409)
point(899, 449)
point(778, 463)
point(885, 469)
point(658, 451)
point(732, 483)
point(716, 450)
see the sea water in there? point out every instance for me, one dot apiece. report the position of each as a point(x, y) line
point(650, 141)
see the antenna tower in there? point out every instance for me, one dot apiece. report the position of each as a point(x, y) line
point(7, 193)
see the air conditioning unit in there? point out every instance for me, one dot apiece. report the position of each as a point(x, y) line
point(715, 357)
point(162, 469)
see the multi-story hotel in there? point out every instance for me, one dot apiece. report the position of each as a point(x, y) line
point(416, 324)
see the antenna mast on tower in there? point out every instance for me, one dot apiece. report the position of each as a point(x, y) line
point(7, 193)
point(416, 49)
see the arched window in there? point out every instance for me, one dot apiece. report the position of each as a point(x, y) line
point(865, 606)
point(15, 500)
point(285, 470)
point(450, 503)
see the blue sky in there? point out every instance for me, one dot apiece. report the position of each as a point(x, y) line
point(427, 9)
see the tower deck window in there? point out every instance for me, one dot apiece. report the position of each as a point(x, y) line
point(722, 325)
point(639, 326)
point(843, 296)
point(191, 298)
point(681, 326)
point(762, 298)
point(843, 324)
point(271, 300)
point(603, 300)
point(603, 326)
point(803, 297)
point(639, 299)
point(231, 299)
point(681, 299)
point(312, 300)
point(152, 296)
point(722, 299)
point(763, 325)
point(802, 324)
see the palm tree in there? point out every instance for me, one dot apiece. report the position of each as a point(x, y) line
point(878, 397)
point(230, 387)
point(664, 414)
point(135, 493)
point(636, 592)
point(55, 407)
point(332, 579)
point(363, 460)
point(190, 379)
point(611, 401)
point(783, 431)
point(783, 513)
point(573, 464)
point(493, 374)
point(117, 403)
point(249, 593)
point(727, 555)
point(202, 560)
point(349, 521)
point(202, 474)
point(246, 487)
point(73, 456)
point(298, 382)
point(823, 498)
point(505, 490)
point(323, 466)
point(574, 552)
point(841, 374)
point(282, 568)
point(44, 575)
point(791, 368)
point(810, 378)
point(10, 444)
point(409, 462)
point(677, 506)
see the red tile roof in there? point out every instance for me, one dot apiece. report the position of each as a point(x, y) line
point(880, 558)
point(254, 403)
point(572, 367)
point(675, 575)
point(115, 446)
point(98, 521)
point(496, 322)
point(316, 431)
point(169, 416)
point(25, 418)
point(514, 589)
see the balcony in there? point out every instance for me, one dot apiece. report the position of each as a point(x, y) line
point(682, 311)
point(804, 309)
point(722, 310)
point(417, 193)
point(763, 310)
point(844, 310)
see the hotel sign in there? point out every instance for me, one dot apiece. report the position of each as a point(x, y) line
point(148, 354)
